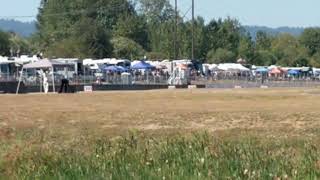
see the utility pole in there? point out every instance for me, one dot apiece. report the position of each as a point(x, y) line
point(192, 29)
point(175, 29)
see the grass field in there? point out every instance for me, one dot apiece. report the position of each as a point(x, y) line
point(167, 134)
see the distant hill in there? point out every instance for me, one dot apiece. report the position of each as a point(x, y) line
point(24, 29)
point(295, 31)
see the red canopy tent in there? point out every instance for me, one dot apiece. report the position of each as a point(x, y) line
point(276, 72)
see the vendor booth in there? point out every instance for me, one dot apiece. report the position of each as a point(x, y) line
point(42, 65)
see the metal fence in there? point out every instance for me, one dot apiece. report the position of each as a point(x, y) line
point(7, 77)
point(244, 81)
point(266, 83)
point(249, 81)
point(94, 78)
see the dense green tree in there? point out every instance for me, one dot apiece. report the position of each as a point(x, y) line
point(68, 48)
point(223, 34)
point(229, 33)
point(288, 50)
point(263, 41)
point(315, 60)
point(127, 48)
point(19, 45)
point(263, 58)
point(185, 39)
point(156, 11)
point(154, 56)
point(133, 27)
point(82, 44)
point(159, 15)
point(245, 49)
point(4, 44)
point(310, 38)
point(88, 21)
point(221, 56)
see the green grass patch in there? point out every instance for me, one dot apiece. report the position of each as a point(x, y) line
point(135, 156)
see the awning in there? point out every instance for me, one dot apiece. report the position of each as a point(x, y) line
point(44, 64)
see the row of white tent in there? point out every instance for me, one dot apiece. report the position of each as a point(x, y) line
point(165, 64)
point(94, 64)
point(225, 67)
point(241, 68)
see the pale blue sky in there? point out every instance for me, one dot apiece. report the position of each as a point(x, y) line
point(271, 13)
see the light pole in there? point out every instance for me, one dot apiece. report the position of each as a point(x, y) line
point(192, 29)
point(175, 29)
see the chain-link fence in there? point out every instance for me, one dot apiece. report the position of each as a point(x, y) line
point(94, 78)
point(214, 81)
point(116, 79)
point(229, 80)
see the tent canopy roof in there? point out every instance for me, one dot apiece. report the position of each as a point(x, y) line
point(293, 72)
point(142, 65)
point(232, 67)
point(44, 64)
point(262, 70)
point(115, 68)
point(277, 71)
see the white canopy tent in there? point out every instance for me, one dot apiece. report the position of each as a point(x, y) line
point(20, 61)
point(42, 64)
point(6, 60)
point(3, 60)
point(232, 67)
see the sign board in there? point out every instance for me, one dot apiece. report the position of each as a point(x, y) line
point(192, 87)
point(88, 89)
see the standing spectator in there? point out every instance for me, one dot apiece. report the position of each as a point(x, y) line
point(64, 85)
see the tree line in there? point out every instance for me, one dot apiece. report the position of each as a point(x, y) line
point(132, 29)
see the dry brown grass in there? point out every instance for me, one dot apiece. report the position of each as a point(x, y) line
point(273, 132)
point(272, 112)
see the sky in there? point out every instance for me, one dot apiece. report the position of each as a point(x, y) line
point(271, 13)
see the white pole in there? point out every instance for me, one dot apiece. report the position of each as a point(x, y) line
point(53, 84)
point(41, 80)
point(84, 75)
point(20, 79)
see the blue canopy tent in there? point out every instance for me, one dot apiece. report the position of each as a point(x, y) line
point(115, 69)
point(111, 68)
point(262, 70)
point(142, 65)
point(122, 69)
point(293, 72)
